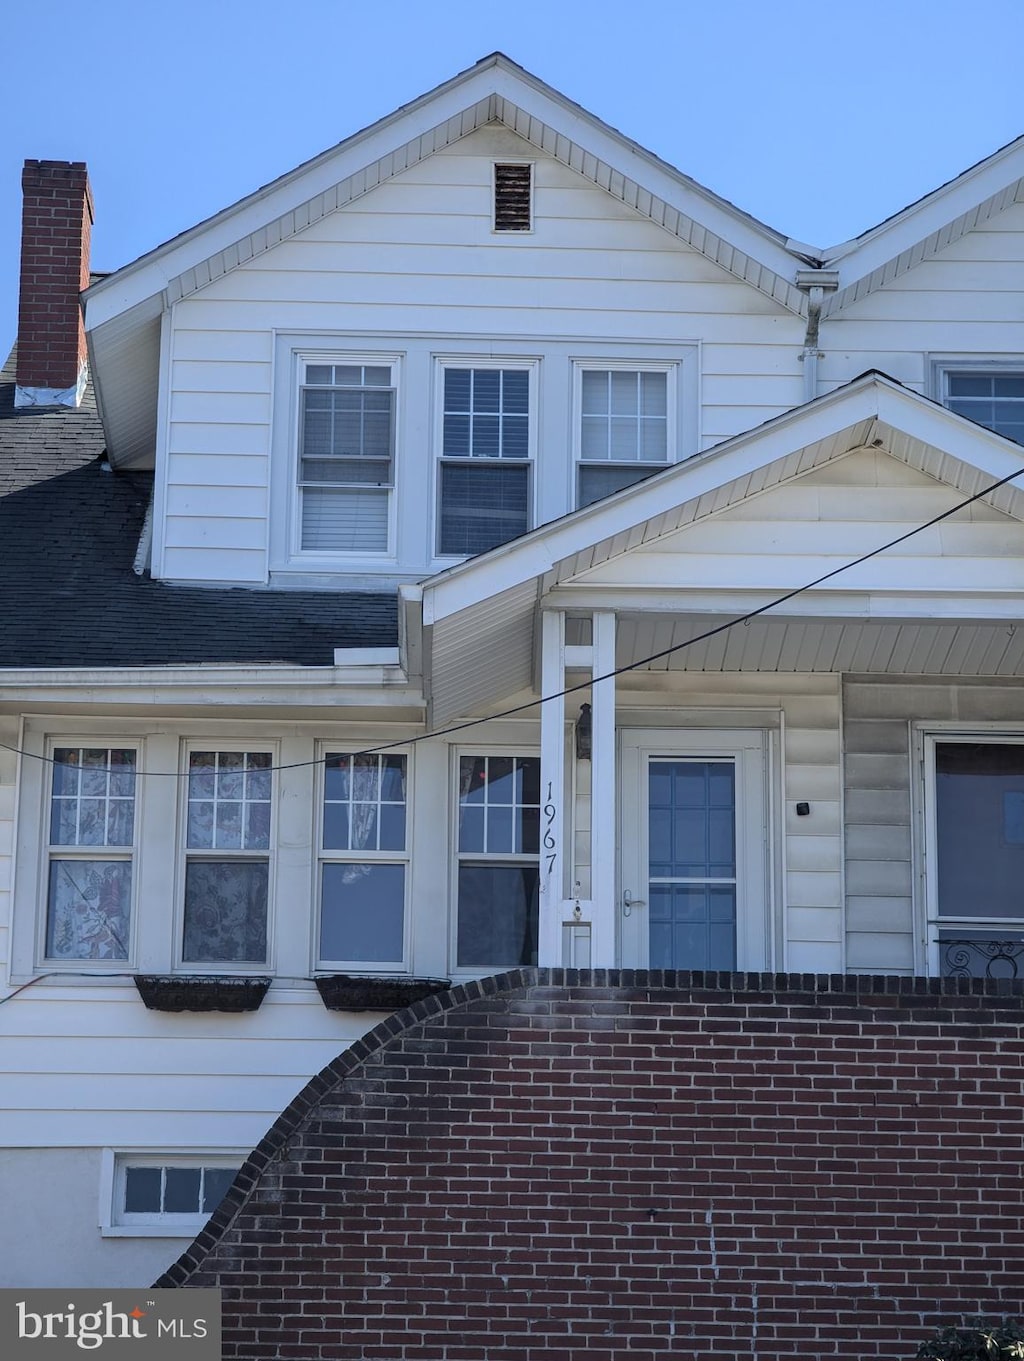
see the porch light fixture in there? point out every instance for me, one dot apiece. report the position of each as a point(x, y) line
point(584, 733)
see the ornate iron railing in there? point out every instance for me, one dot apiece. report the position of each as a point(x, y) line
point(981, 957)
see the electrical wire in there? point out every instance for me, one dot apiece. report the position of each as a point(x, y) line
point(517, 709)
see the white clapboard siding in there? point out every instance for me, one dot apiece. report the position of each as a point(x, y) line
point(965, 300)
point(82, 1066)
point(417, 257)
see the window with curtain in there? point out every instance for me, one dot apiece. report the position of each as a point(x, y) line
point(227, 857)
point(363, 860)
point(624, 433)
point(485, 486)
point(92, 836)
point(346, 456)
point(498, 860)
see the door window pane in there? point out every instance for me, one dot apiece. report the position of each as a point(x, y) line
point(692, 863)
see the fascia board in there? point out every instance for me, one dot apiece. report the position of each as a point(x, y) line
point(883, 243)
point(540, 551)
point(229, 681)
point(948, 432)
point(635, 162)
point(152, 273)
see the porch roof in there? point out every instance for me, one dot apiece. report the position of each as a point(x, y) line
point(895, 614)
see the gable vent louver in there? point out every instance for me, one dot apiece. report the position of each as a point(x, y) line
point(512, 198)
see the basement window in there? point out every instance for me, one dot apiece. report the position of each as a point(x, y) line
point(513, 197)
point(159, 1196)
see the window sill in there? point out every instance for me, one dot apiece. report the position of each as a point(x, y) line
point(346, 992)
point(184, 1231)
point(208, 992)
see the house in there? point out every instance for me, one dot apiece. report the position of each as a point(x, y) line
point(481, 548)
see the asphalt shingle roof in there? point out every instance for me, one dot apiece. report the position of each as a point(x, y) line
point(69, 597)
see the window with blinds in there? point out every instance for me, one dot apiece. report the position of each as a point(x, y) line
point(485, 459)
point(624, 428)
point(346, 456)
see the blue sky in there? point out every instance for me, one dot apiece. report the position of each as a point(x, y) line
point(820, 119)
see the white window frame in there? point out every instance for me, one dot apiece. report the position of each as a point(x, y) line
point(991, 365)
point(323, 856)
point(529, 365)
point(671, 368)
point(48, 852)
point(256, 744)
point(512, 232)
point(305, 356)
point(116, 1222)
point(525, 751)
point(927, 737)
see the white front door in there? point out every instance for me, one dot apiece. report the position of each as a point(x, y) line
point(693, 855)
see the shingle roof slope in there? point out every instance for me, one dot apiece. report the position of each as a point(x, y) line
point(69, 597)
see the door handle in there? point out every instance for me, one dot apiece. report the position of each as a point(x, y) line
point(629, 902)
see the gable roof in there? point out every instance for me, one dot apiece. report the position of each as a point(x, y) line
point(123, 310)
point(926, 227)
point(69, 533)
point(478, 616)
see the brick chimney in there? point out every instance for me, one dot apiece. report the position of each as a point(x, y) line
point(56, 226)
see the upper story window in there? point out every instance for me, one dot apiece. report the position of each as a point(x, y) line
point(625, 429)
point(363, 861)
point(346, 456)
point(992, 396)
point(227, 857)
point(513, 195)
point(92, 838)
point(485, 491)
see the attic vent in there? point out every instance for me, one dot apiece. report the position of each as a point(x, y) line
point(512, 185)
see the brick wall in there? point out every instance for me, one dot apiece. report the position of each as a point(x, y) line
point(611, 1164)
point(56, 228)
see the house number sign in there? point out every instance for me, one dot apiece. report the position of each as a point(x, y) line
point(548, 839)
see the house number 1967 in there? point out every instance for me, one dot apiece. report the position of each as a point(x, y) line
point(548, 840)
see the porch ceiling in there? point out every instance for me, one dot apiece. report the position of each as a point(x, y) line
point(912, 647)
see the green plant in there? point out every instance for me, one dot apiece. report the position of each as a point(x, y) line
point(979, 1339)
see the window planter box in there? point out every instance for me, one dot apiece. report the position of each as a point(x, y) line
point(345, 992)
point(206, 992)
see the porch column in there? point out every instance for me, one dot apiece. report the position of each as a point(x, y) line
point(604, 774)
point(552, 789)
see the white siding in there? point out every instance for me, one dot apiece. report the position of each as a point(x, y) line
point(966, 300)
point(8, 773)
point(883, 787)
point(417, 257)
point(825, 519)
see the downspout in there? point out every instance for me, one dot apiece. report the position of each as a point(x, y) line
point(815, 283)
